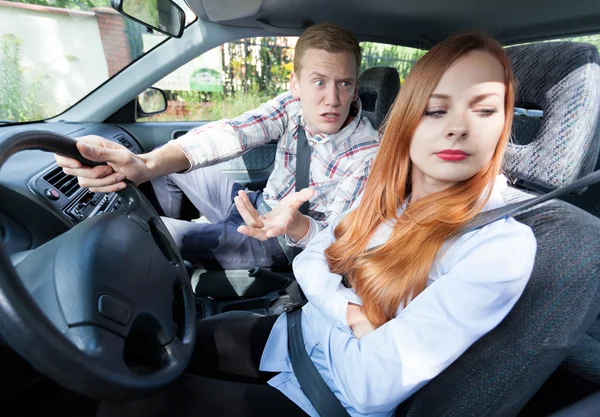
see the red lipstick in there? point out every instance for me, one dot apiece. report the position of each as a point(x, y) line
point(452, 155)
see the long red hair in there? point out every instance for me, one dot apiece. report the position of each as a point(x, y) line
point(397, 271)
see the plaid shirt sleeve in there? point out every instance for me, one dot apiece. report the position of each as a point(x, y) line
point(348, 190)
point(226, 139)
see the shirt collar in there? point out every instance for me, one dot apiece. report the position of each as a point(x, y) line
point(343, 134)
point(496, 200)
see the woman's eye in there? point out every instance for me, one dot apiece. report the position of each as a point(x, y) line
point(436, 114)
point(486, 112)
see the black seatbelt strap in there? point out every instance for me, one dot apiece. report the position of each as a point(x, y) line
point(302, 179)
point(491, 216)
point(302, 173)
point(302, 165)
point(311, 381)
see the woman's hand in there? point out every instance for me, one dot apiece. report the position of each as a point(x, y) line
point(358, 322)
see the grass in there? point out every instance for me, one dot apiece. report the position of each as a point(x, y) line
point(216, 108)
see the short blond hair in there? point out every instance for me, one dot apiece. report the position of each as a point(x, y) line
point(327, 37)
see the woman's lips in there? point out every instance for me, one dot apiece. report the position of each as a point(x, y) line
point(452, 155)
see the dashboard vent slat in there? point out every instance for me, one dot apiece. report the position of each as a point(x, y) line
point(124, 142)
point(66, 184)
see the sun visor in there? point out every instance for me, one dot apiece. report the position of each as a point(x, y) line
point(225, 10)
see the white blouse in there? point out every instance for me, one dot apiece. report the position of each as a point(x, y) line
point(471, 288)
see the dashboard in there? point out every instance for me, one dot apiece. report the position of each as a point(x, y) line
point(38, 201)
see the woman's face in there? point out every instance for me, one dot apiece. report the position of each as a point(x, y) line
point(462, 123)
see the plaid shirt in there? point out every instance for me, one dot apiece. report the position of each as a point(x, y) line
point(339, 165)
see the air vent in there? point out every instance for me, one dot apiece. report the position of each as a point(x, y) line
point(125, 142)
point(66, 184)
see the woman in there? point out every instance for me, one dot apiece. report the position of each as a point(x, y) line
point(417, 293)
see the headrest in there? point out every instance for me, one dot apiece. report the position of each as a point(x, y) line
point(377, 90)
point(556, 129)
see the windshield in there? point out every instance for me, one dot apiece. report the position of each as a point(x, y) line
point(55, 52)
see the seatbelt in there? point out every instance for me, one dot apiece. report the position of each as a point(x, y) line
point(302, 174)
point(311, 381)
point(302, 165)
point(487, 217)
point(303, 152)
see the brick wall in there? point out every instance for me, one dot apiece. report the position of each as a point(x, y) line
point(114, 39)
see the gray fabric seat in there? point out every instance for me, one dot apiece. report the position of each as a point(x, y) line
point(569, 96)
point(377, 89)
point(500, 373)
point(563, 80)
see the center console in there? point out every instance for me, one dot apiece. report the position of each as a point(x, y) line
point(91, 204)
point(63, 192)
point(77, 203)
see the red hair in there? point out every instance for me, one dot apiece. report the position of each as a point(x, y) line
point(397, 271)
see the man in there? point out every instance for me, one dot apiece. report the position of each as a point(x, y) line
point(323, 102)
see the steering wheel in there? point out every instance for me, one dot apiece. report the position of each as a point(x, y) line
point(106, 309)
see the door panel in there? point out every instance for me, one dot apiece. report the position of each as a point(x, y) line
point(252, 169)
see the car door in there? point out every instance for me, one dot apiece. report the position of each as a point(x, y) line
point(252, 169)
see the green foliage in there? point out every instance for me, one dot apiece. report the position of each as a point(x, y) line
point(195, 105)
point(227, 107)
point(260, 64)
point(399, 57)
point(20, 87)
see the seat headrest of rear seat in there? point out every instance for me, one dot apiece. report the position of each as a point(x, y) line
point(377, 89)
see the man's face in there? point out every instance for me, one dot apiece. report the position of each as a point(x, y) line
point(326, 86)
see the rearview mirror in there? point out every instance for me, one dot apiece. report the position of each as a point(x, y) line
point(164, 16)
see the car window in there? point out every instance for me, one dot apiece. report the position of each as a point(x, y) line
point(228, 80)
point(384, 55)
point(239, 76)
point(55, 52)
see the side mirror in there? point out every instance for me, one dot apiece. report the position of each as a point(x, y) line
point(152, 101)
point(164, 16)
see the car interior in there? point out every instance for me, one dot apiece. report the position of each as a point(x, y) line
point(77, 267)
